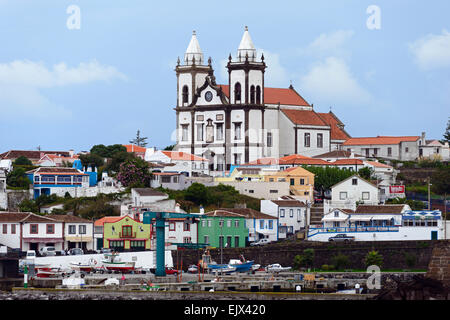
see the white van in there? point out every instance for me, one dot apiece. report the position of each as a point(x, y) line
point(31, 254)
point(47, 251)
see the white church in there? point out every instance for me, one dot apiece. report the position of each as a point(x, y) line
point(235, 123)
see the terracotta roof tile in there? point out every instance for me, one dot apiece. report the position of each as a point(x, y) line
point(283, 96)
point(337, 154)
point(304, 117)
point(289, 203)
point(247, 213)
point(379, 140)
point(179, 155)
point(134, 148)
point(337, 133)
point(23, 217)
point(297, 159)
point(393, 208)
point(102, 221)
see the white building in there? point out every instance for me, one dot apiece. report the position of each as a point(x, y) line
point(179, 231)
point(180, 162)
point(293, 215)
point(398, 148)
point(350, 192)
point(434, 149)
point(243, 120)
point(77, 232)
point(380, 223)
point(3, 194)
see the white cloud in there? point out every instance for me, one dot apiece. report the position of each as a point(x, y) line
point(329, 44)
point(432, 51)
point(332, 81)
point(22, 81)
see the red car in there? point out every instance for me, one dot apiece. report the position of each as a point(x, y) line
point(171, 271)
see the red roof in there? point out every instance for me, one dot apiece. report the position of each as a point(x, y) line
point(276, 95)
point(336, 132)
point(302, 160)
point(347, 162)
point(262, 161)
point(102, 221)
point(308, 117)
point(379, 140)
point(134, 148)
point(178, 155)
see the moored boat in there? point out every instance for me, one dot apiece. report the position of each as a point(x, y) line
point(113, 262)
point(241, 265)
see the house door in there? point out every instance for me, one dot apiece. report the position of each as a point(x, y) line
point(434, 235)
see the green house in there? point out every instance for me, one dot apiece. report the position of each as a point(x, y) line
point(126, 234)
point(223, 228)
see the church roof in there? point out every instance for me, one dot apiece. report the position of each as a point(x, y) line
point(246, 42)
point(304, 117)
point(379, 140)
point(283, 96)
point(193, 51)
point(337, 130)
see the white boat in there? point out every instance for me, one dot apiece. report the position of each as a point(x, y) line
point(114, 263)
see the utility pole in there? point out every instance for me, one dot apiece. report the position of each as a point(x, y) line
point(429, 201)
point(445, 216)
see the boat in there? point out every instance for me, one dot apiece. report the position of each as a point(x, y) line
point(45, 271)
point(80, 266)
point(222, 268)
point(241, 265)
point(113, 262)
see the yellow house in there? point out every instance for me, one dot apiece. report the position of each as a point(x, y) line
point(301, 181)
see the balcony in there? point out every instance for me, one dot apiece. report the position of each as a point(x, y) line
point(314, 231)
point(127, 235)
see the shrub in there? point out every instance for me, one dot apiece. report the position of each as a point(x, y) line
point(304, 260)
point(341, 261)
point(373, 258)
point(410, 259)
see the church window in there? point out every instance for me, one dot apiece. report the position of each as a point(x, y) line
point(252, 94)
point(258, 95)
point(184, 132)
point(200, 132)
point(219, 129)
point(237, 131)
point(307, 140)
point(269, 139)
point(185, 94)
point(319, 140)
point(237, 92)
point(209, 131)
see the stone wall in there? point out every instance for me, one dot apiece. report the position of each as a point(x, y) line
point(15, 197)
point(394, 253)
point(439, 267)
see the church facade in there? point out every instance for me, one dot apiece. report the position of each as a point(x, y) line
point(235, 123)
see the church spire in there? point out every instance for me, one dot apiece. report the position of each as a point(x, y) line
point(246, 47)
point(193, 51)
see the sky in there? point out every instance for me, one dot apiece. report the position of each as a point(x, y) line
point(78, 73)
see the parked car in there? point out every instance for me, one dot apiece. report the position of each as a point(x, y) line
point(171, 271)
point(105, 250)
point(342, 237)
point(47, 251)
point(260, 242)
point(276, 267)
point(75, 252)
point(193, 268)
point(31, 254)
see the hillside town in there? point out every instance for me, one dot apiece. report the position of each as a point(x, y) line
point(252, 166)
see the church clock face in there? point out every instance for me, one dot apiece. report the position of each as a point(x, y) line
point(208, 96)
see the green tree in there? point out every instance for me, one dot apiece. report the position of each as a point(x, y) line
point(365, 173)
point(17, 178)
point(107, 151)
point(340, 261)
point(373, 258)
point(23, 161)
point(139, 141)
point(170, 147)
point(441, 180)
point(447, 133)
point(28, 205)
point(326, 177)
point(91, 160)
point(304, 260)
point(197, 193)
point(113, 164)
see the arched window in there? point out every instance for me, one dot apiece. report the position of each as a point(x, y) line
point(237, 92)
point(258, 95)
point(252, 94)
point(185, 94)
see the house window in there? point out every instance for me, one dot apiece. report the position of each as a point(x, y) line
point(389, 150)
point(365, 195)
point(237, 158)
point(307, 140)
point(206, 239)
point(165, 179)
point(319, 140)
point(34, 228)
point(375, 152)
point(282, 213)
point(228, 223)
point(237, 131)
point(342, 195)
point(187, 240)
point(185, 94)
point(273, 191)
point(5, 229)
point(236, 223)
point(72, 229)
point(13, 229)
point(336, 214)
point(367, 152)
point(354, 182)
point(292, 182)
point(220, 223)
point(269, 139)
point(261, 224)
point(219, 131)
point(50, 228)
point(236, 241)
point(203, 223)
point(237, 92)
point(184, 132)
point(302, 182)
point(406, 149)
point(172, 226)
point(229, 241)
point(186, 226)
point(209, 223)
point(291, 213)
point(336, 223)
point(270, 224)
point(219, 117)
point(251, 191)
point(200, 118)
